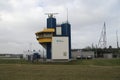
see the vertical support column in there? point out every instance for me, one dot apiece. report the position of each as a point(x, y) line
point(51, 22)
point(66, 31)
point(48, 50)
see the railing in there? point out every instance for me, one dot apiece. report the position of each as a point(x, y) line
point(44, 35)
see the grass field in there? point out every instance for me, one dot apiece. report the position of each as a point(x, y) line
point(97, 69)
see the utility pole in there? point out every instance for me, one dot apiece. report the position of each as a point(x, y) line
point(96, 52)
point(117, 39)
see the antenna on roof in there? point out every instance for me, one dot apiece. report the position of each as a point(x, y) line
point(50, 15)
point(67, 15)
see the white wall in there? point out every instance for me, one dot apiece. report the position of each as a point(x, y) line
point(108, 55)
point(75, 54)
point(58, 31)
point(60, 48)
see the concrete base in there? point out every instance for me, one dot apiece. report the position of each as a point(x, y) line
point(55, 60)
point(60, 60)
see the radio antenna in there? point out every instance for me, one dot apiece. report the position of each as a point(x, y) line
point(67, 15)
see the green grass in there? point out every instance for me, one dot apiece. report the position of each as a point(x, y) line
point(13, 61)
point(97, 69)
point(98, 62)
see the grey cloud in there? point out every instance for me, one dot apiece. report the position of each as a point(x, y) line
point(19, 23)
point(5, 5)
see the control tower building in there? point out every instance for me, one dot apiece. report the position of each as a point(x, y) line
point(56, 39)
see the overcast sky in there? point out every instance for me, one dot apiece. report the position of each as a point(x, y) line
point(20, 19)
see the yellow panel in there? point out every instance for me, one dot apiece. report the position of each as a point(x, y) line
point(46, 30)
point(44, 40)
point(49, 30)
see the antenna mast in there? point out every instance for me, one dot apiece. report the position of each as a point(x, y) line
point(103, 39)
point(67, 15)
